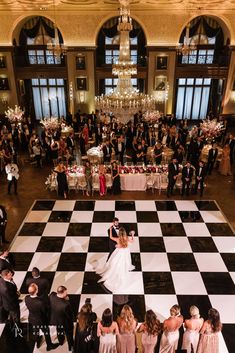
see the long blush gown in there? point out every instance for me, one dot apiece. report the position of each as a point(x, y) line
point(148, 342)
point(209, 341)
point(169, 341)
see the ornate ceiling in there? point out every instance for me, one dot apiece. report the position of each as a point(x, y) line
point(97, 5)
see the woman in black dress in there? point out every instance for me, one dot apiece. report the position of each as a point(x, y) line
point(60, 170)
point(158, 153)
point(116, 179)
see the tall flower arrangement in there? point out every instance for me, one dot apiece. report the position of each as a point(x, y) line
point(151, 116)
point(211, 128)
point(51, 123)
point(14, 115)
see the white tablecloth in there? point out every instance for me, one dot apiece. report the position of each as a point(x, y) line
point(133, 182)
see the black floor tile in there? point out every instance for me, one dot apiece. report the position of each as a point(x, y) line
point(158, 283)
point(50, 244)
point(229, 336)
point(22, 260)
point(72, 262)
point(125, 205)
point(202, 244)
point(136, 261)
point(151, 244)
point(218, 282)
point(219, 229)
point(84, 206)
point(18, 339)
point(172, 229)
point(182, 262)
point(79, 229)
point(91, 285)
point(129, 226)
point(166, 205)
point(74, 300)
point(32, 229)
point(60, 216)
point(147, 216)
point(43, 205)
point(204, 205)
point(201, 301)
point(99, 244)
point(229, 260)
point(136, 302)
point(103, 216)
point(48, 275)
point(190, 216)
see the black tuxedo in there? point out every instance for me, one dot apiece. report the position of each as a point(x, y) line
point(43, 287)
point(3, 220)
point(187, 173)
point(70, 142)
point(112, 244)
point(173, 171)
point(9, 304)
point(62, 317)
point(200, 173)
point(212, 155)
point(6, 264)
point(107, 151)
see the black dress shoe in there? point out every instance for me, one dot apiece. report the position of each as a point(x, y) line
point(39, 341)
point(52, 346)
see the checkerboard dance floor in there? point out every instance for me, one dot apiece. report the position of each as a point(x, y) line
point(184, 252)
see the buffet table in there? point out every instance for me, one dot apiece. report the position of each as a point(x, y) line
point(133, 182)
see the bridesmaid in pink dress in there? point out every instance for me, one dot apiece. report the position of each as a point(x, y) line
point(127, 325)
point(192, 328)
point(102, 179)
point(209, 340)
point(150, 330)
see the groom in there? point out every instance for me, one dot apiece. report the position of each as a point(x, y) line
point(113, 230)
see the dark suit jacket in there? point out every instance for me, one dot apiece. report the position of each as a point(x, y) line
point(172, 171)
point(37, 310)
point(8, 296)
point(112, 244)
point(61, 312)
point(4, 213)
point(5, 265)
point(107, 152)
point(43, 286)
point(211, 156)
point(186, 174)
point(203, 172)
point(70, 142)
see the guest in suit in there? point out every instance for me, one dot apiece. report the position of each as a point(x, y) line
point(200, 174)
point(42, 284)
point(212, 155)
point(70, 143)
point(231, 142)
point(9, 303)
point(38, 317)
point(173, 171)
point(113, 231)
point(179, 154)
point(187, 174)
point(107, 151)
point(6, 260)
point(3, 224)
point(12, 172)
point(62, 315)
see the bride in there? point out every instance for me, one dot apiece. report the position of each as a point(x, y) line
point(115, 271)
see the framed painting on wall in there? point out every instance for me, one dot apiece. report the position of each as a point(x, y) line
point(160, 83)
point(80, 62)
point(4, 84)
point(162, 62)
point(81, 83)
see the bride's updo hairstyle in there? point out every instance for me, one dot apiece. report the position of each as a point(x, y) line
point(123, 238)
point(127, 316)
point(194, 312)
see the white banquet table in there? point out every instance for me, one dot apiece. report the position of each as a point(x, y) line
point(133, 182)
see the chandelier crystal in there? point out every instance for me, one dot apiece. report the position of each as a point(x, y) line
point(14, 115)
point(187, 46)
point(124, 101)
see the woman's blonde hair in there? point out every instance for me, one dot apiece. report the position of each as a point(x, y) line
point(123, 238)
point(175, 310)
point(127, 316)
point(194, 312)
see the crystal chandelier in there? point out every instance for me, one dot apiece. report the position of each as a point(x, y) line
point(14, 115)
point(187, 46)
point(124, 101)
point(57, 48)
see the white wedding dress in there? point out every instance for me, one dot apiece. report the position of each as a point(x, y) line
point(115, 273)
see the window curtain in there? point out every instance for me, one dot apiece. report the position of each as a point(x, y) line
point(180, 102)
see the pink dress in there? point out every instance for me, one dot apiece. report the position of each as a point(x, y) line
point(148, 342)
point(102, 184)
point(209, 341)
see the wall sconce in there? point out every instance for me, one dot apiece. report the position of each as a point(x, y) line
point(81, 97)
point(4, 99)
point(232, 96)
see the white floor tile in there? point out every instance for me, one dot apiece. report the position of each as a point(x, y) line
point(160, 304)
point(76, 244)
point(38, 216)
point(169, 217)
point(149, 230)
point(213, 217)
point(2, 326)
point(64, 205)
point(210, 262)
point(186, 205)
point(54, 229)
point(222, 344)
point(126, 216)
point(105, 205)
point(100, 229)
point(25, 244)
point(154, 262)
point(188, 283)
point(135, 245)
point(225, 304)
point(196, 230)
point(134, 285)
point(46, 261)
point(19, 278)
point(99, 302)
point(71, 280)
point(82, 217)
point(145, 205)
point(225, 244)
point(177, 245)
point(232, 274)
point(95, 261)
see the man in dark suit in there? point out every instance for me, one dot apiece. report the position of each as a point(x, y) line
point(62, 315)
point(3, 224)
point(42, 284)
point(9, 303)
point(38, 317)
point(107, 151)
point(70, 143)
point(6, 260)
point(187, 174)
point(231, 142)
point(173, 171)
point(212, 155)
point(113, 231)
point(200, 174)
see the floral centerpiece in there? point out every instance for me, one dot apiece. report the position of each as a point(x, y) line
point(151, 116)
point(211, 129)
point(51, 123)
point(14, 115)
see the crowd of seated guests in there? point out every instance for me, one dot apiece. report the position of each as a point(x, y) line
point(105, 335)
